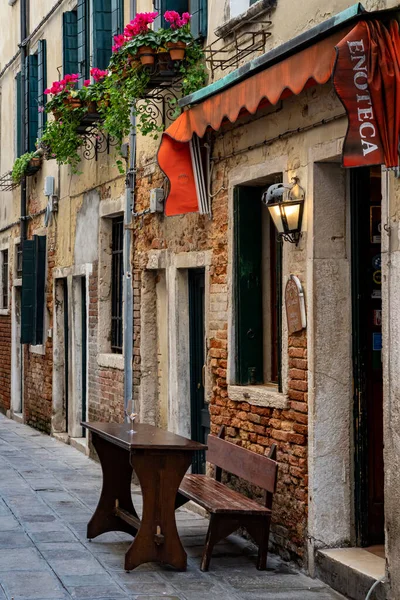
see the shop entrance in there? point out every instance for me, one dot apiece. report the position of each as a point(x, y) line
point(365, 197)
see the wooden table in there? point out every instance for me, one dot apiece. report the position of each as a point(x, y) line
point(160, 459)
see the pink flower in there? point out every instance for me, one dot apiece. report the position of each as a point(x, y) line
point(86, 83)
point(175, 20)
point(139, 24)
point(47, 91)
point(41, 109)
point(119, 42)
point(98, 74)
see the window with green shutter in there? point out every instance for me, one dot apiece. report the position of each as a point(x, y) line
point(19, 143)
point(83, 31)
point(31, 102)
point(42, 85)
point(257, 292)
point(198, 10)
point(117, 17)
point(102, 33)
point(33, 290)
point(70, 42)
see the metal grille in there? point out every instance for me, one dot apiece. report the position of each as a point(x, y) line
point(4, 279)
point(116, 284)
point(19, 261)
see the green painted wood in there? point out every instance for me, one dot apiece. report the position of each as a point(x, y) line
point(42, 85)
point(70, 42)
point(200, 416)
point(198, 10)
point(83, 32)
point(33, 290)
point(102, 33)
point(40, 241)
point(28, 296)
point(31, 102)
point(19, 116)
point(117, 17)
point(248, 286)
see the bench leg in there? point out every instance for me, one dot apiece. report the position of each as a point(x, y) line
point(219, 528)
point(259, 530)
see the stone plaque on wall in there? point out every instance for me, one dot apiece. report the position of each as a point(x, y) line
point(295, 305)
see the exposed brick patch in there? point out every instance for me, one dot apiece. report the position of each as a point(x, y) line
point(5, 362)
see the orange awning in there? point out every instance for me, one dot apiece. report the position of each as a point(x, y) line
point(311, 66)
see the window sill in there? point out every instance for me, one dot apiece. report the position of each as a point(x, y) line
point(259, 395)
point(244, 18)
point(111, 361)
point(4, 312)
point(39, 349)
point(17, 282)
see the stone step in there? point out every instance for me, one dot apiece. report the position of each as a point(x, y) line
point(352, 572)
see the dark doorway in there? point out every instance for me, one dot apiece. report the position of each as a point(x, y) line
point(367, 354)
point(200, 417)
point(84, 352)
point(66, 352)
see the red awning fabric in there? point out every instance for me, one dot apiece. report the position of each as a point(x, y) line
point(367, 80)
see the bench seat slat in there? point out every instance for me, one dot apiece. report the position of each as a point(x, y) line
point(216, 497)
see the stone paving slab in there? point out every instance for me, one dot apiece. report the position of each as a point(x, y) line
point(48, 491)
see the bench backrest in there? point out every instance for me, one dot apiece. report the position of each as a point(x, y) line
point(254, 468)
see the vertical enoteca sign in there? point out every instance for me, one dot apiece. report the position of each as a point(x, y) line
point(295, 305)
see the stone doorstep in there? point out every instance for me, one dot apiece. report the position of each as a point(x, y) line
point(18, 417)
point(352, 572)
point(79, 443)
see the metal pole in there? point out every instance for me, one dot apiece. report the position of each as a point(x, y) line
point(127, 282)
point(24, 34)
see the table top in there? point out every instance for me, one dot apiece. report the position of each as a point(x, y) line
point(146, 437)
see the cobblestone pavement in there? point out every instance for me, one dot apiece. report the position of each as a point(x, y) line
point(48, 492)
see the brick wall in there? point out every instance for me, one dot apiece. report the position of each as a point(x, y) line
point(106, 385)
point(5, 362)
point(253, 427)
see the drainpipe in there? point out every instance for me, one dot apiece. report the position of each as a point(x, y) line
point(127, 282)
point(24, 35)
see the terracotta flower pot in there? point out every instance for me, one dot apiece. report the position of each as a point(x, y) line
point(134, 61)
point(73, 103)
point(92, 107)
point(177, 50)
point(35, 162)
point(146, 55)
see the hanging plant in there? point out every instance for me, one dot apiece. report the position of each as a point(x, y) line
point(178, 36)
point(27, 164)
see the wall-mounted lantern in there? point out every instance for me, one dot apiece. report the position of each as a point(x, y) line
point(285, 204)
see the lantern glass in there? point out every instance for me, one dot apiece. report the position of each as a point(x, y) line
point(292, 213)
point(275, 213)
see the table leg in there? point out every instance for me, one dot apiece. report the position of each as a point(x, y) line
point(117, 478)
point(160, 475)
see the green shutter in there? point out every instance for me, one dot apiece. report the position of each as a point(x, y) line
point(161, 6)
point(40, 241)
point(70, 42)
point(248, 285)
point(33, 290)
point(83, 39)
point(31, 102)
point(18, 116)
point(102, 33)
point(117, 17)
point(42, 84)
point(28, 296)
point(198, 10)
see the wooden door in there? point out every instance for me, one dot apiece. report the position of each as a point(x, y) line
point(367, 355)
point(200, 417)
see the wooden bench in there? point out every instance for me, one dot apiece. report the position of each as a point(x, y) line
point(229, 509)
